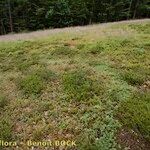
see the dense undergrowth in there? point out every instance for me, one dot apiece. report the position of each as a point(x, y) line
point(83, 89)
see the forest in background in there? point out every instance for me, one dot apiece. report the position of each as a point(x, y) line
point(29, 15)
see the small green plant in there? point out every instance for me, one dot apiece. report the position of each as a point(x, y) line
point(32, 85)
point(3, 101)
point(45, 74)
point(100, 133)
point(133, 78)
point(135, 113)
point(63, 51)
point(5, 129)
point(80, 46)
point(45, 106)
point(22, 66)
point(96, 48)
point(79, 86)
point(24, 62)
point(38, 134)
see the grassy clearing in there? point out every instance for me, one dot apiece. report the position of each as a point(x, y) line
point(78, 86)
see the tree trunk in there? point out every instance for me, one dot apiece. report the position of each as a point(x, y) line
point(1, 28)
point(135, 10)
point(10, 16)
point(128, 17)
point(3, 31)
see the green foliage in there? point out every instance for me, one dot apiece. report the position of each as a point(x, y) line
point(101, 135)
point(36, 81)
point(38, 134)
point(23, 66)
point(59, 14)
point(3, 101)
point(32, 85)
point(45, 106)
point(135, 114)
point(96, 48)
point(133, 78)
point(62, 13)
point(80, 100)
point(80, 87)
point(23, 63)
point(141, 28)
point(45, 74)
point(6, 129)
point(19, 58)
point(99, 126)
point(106, 45)
point(63, 51)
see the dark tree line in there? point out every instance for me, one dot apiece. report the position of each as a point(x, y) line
point(29, 15)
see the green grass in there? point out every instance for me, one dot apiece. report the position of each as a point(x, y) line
point(79, 86)
point(31, 85)
point(137, 114)
point(62, 51)
point(3, 101)
point(35, 81)
point(141, 28)
point(133, 78)
point(6, 129)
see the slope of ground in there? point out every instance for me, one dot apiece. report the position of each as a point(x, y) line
point(43, 33)
point(90, 85)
